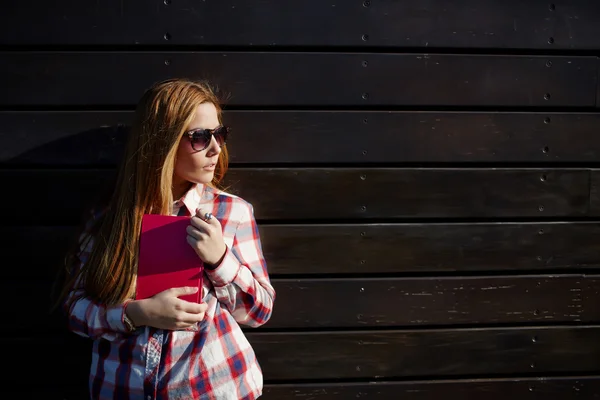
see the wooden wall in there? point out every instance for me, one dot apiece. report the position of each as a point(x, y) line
point(423, 172)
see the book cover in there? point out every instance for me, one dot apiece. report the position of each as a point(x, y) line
point(166, 260)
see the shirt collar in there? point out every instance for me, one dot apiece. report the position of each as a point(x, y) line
point(191, 199)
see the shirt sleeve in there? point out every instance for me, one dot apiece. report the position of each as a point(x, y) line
point(241, 280)
point(89, 318)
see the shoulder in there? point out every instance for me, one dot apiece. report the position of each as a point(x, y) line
point(233, 206)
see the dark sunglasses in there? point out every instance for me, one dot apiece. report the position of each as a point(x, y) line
point(200, 138)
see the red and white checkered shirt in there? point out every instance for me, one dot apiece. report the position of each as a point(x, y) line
point(215, 362)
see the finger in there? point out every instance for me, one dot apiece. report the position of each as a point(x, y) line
point(190, 319)
point(212, 221)
point(201, 213)
point(181, 291)
point(194, 232)
point(192, 241)
point(180, 325)
point(191, 307)
point(199, 223)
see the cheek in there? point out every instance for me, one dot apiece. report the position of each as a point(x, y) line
point(188, 162)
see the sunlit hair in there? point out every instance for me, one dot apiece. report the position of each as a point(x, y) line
point(143, 186)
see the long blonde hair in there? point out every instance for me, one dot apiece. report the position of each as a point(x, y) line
point(143, 186)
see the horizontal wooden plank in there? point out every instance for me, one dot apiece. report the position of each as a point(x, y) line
point(542, 388)
point(546, 388)
point(84, 138)
point(63, 138)
point(411, 354)
point(468, 23)
point(393, 302)
point(595, 192)
point(429, 247)
point(414, 353)
point(365, 248)
point(411, 193)
point(333, 194)
point(259, 79)
point(349, 303)
point(598, 90)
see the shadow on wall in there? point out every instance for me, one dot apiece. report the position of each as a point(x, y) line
point(95, 148)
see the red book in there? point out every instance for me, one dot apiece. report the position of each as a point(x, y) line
point(166, 260)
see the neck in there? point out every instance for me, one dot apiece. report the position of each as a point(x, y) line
point(180, 188)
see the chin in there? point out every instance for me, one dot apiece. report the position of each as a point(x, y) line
point(205, 178)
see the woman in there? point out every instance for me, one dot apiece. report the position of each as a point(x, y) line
point(165, 347)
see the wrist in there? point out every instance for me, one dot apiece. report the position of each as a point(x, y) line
point(215, 264)
point(135, 312)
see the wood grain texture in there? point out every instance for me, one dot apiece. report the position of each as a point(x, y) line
point(542, 388)
point(364, 355)
point(466, 24)
point(333, 194)
point(429, 247)
point(368, 249)
point(496, 389)
point(344, 355)
point(263, 79)
point(595, 192)
point(96, 138)
point(412, 193)
point(78, 139)
point(380, 265)
point(351, 303)
point(393, 302)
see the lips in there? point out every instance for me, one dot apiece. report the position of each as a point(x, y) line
point(209, 167)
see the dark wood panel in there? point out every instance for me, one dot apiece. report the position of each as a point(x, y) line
point(598, 89)
point(415, 353)
point(366, 248)
point(412, 193)
point(334, 303)
point(395, 302)
point(325, 193)
point(429, 247)
point(546, 388)
point(595, 192)
point(96, 137)
point(543, 388)
point(63, 138)
point(365, 354)
point(468, 23)
point(258, 79)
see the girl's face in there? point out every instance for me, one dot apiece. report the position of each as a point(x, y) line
point(196, 166)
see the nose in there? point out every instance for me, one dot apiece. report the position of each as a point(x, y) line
point(213, 147)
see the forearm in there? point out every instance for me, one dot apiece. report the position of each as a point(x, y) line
point(249, 298)
point(90, 319)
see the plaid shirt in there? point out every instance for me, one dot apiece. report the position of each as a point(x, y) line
point(214, 362)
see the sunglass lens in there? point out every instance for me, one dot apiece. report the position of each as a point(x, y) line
point(221, 135)
point(200, 140)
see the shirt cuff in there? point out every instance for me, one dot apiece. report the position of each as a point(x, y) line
point(115, 316)
point(226, 272)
